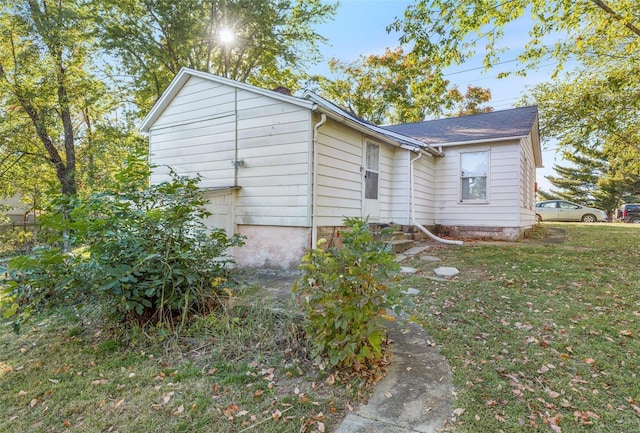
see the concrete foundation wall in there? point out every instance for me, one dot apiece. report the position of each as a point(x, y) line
point(480, 232)
point(272, 247)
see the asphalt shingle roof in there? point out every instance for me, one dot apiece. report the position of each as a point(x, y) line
point(516, 122)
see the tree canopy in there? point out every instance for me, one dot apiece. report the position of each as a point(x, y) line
point(263, 42)
point(397, 87)
point(75, 74)
point(592, 110)
point(451, 31)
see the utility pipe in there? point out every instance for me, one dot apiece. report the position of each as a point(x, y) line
point(314, 195)
point(413, 210)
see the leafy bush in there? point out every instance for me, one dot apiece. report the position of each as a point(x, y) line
point(345, 301)
point(147, 250)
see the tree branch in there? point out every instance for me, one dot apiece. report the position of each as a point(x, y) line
point(616, 16)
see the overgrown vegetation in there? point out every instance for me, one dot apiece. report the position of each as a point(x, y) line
point(540, 336)
point(189, 349)
point(146, 251)
point(344, 298)
point(241, 368)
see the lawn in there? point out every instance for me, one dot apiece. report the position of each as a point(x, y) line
point(242, 370)
point(540, 337)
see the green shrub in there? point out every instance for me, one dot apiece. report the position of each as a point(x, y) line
point(345, 301)
point(154, 251)
point(148, 251)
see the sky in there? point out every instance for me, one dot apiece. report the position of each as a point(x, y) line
point(359, 28)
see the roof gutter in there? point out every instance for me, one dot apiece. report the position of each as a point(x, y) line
point(484, 140)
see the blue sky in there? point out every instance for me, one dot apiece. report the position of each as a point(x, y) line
point(360, 28)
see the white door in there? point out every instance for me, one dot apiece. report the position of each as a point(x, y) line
point(371, 182)
point(221, 205)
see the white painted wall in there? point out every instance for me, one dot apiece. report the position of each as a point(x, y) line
point(527, 184)
point(340, 177)
point(272, 247)
point(208, 125)
point(424, 179)
point(502, 208)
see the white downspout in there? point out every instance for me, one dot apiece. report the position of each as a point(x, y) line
point(314, 195)
point(413, 210)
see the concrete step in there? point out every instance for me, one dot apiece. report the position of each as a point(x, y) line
point(400, 245)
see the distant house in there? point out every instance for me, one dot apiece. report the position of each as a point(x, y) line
point(16, 212)
point(286, 170)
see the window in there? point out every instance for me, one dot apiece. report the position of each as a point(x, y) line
point(371, 173)
point(548, 204)
point(473, 174)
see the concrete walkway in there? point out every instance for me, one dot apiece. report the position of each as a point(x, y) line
point(416, 393)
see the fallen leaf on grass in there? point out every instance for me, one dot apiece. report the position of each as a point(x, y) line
point(585, 417)
point(589, 361)
point(178, 411)
point(554, 394)
point(276, 415)
point(166, 397)
point(230, 411)
point(459, 411)
point(99, 382)
point(633, 405)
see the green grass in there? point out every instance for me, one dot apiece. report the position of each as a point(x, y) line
point(241, 370)
point(540, 337)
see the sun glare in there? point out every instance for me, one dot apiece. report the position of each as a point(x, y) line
point(226, 36)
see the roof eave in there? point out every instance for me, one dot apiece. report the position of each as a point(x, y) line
point(390, 137)
point(414, 145)
point(482, 141)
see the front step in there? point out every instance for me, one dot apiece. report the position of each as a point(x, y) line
point(400, 245)
point(402, 239)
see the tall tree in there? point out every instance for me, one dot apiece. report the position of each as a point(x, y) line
point(449, 31)
point(592, 109)
point(389, 88)
point(263, 42)
point(56, 112)
point(471, 102)
point(592, 115)
point(397, 87)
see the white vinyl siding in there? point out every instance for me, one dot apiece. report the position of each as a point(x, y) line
point(503, 188)
point(527, 183)
point(200, 133)
point(340, 177)
point(397, 208)
point(424, 189)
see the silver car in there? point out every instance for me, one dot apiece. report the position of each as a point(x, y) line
point(562, 210)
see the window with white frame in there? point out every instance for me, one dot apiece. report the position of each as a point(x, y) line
point(474, 168)
point(372, 171)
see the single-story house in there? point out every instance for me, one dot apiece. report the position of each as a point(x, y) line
point(16, 213)
point(286, 170)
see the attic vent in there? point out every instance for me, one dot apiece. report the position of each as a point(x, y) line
point(283, 90)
